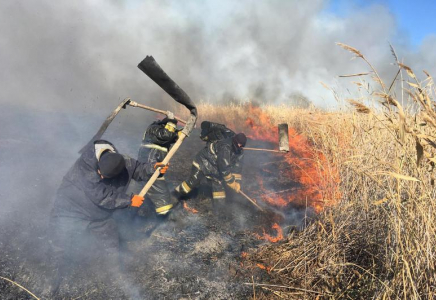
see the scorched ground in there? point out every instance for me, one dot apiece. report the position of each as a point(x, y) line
point(199, 256)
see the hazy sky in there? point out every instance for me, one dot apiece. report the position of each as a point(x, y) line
point(82, 55)
point(415, 19)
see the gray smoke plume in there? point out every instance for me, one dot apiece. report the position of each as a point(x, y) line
point(83, 55)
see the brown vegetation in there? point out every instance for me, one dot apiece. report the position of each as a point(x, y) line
point(379, 241)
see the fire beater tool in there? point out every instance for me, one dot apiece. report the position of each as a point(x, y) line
point(283, 141)
point(123, 105)
point(151, 68)
point(251, 200)
point(167, 113)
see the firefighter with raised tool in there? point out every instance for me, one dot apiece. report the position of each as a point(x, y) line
point(93, 188)
point(156, 142)
point(220, 161)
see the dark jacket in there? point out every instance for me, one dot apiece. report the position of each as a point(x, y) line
point(220, 159)
point(83, 194)
point(155, 144)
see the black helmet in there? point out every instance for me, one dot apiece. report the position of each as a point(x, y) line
point(239, 139)
point(167, 120)
point(111, 164)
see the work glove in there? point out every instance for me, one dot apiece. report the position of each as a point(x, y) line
point(162, 166)
point(136, 201)
point(235, 186)
point(179, 133)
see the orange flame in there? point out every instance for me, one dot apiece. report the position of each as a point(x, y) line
point(243, 257)
point(272, 239)
point(192, 210)
point(268, 269)
point(317, 180)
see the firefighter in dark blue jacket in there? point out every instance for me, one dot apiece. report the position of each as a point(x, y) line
point(90, 192)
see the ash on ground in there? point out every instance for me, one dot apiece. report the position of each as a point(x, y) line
point(196, 256)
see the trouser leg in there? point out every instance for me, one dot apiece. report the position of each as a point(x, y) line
point(218, 191)
point(106, 233)
point(192, 182)
point(63, 233)
point(159, 194)
point(218, 196)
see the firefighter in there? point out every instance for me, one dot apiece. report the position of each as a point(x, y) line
point(90, 192)
point(220, 162)
point(156, 142)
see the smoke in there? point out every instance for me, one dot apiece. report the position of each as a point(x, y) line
point(83, 55)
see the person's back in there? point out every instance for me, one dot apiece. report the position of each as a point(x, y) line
point(157, 140)
point(211, 132)
point(85, 195)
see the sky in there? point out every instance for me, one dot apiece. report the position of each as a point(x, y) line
point(415, 19)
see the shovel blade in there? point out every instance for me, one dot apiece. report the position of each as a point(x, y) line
point(283, 138)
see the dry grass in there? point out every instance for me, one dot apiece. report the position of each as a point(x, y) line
point(380, 240)
point(235, 115)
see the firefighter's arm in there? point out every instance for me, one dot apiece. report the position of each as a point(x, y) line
point(105, 196)
point(237, 169)
point(224, 167)
point(143, 171)
point(101, 194)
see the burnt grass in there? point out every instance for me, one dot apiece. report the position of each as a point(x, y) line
point(192, 256)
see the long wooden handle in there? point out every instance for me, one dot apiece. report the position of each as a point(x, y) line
point(261, 149)
point(251, 200)
point(156, 173)
point(136, 104)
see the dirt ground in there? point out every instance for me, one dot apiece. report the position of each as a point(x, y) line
point(195, 256)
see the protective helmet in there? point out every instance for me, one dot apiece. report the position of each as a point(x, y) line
point(111, 164)
point(171, 127)
point(170, 124)
point(239, 139)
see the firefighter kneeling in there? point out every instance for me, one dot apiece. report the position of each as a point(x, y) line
point(220, 162)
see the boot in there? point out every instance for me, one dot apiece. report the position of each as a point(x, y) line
point(146, 226)
point(177, 215)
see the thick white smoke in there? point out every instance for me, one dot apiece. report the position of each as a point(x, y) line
point(78, 59)
point(82, 55)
